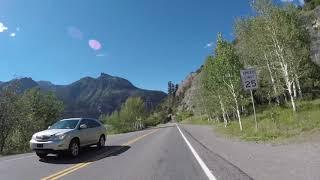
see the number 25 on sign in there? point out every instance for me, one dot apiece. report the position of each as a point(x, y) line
point(249, 83)
point(249, 79)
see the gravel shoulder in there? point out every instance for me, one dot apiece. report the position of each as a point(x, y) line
point(263, 161)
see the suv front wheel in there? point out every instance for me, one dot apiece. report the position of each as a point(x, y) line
point(74, 148)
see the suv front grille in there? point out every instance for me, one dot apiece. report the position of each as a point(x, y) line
point(43, 138)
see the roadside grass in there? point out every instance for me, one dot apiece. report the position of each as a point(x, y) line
point(113, 131)
point(275, 124)
point(110, 130)
point(197, 121)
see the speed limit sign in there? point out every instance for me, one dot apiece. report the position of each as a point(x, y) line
point(249, 83)
point(249, 79)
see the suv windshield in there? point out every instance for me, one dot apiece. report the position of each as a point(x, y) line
point(65, 124)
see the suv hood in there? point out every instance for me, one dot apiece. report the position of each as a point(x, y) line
point(52, 132)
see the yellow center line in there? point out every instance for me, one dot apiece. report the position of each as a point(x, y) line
point(78, 166)
point(138, 138)
point(68, 172)
point(55, 174)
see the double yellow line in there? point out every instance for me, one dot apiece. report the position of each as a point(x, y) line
point(78, 166)
point(66, 171)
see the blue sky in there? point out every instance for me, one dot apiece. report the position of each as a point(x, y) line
point(148, 42)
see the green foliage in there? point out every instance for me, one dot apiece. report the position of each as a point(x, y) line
point(40, 110)
point(277, 124)
point(22, 115)
point(172, 100)
point(220, 91)
point(10, 113)
point(131, 117)
point(182, 115)
point(172, 89)
point(198, 121)
point(276, 43)
point(155, 119)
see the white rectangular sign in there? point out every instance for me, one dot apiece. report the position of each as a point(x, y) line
point(249, 79)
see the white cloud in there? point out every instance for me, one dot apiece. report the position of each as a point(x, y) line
point(3, 27)
point(287, 1)
point(209, 45)
point(12, 34)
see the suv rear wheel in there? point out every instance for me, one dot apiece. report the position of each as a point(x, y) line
point(102, 142)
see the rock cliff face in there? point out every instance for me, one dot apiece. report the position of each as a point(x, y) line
point(187, 102)
point(188, 89)
point(313, 25)
point(185, 84)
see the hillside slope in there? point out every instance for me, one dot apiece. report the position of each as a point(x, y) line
point(91, 97)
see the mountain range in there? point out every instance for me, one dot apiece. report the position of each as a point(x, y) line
point(91, 97)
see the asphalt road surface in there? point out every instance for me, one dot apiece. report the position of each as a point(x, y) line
point(164, 153)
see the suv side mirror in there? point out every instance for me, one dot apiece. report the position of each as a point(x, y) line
point(83, 126)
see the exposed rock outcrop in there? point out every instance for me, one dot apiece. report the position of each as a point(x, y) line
point(313, 25)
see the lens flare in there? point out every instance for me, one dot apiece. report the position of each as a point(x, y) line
point(94, 44)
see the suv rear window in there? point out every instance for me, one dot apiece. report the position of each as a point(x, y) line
point(93, 123)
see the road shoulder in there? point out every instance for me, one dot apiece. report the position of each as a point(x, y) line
point(259, 161)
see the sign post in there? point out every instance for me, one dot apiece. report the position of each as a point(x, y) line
point(250, 83)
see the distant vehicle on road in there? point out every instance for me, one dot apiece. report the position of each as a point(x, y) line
point(69, 135)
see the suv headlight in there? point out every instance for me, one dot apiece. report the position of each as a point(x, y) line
point(33, 137)
point(59, 137)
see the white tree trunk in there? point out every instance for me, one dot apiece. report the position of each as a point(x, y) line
point(284, 68)
point(275, 90)
point(288, 84)
point(294, 89)
point(298, 86)
point(285, 98)
point(269, 99)
point(228, 117)
point(238, 113)
point(223, 113)
point(237, 107)
point(217, 119)
point(204, 106)
point(254, 112)
point(292, 99)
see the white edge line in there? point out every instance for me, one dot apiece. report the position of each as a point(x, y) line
point(196, 155)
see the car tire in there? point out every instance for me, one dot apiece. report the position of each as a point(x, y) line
point(74, 148)
point(42, 155)
point(102, 141)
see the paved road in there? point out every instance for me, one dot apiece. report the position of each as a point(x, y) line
point(160, 153)
point(296, 159)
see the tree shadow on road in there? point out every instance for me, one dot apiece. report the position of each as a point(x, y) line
point(161, 127)
point(89, 154)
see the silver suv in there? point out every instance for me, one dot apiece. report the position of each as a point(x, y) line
point(69, 135)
